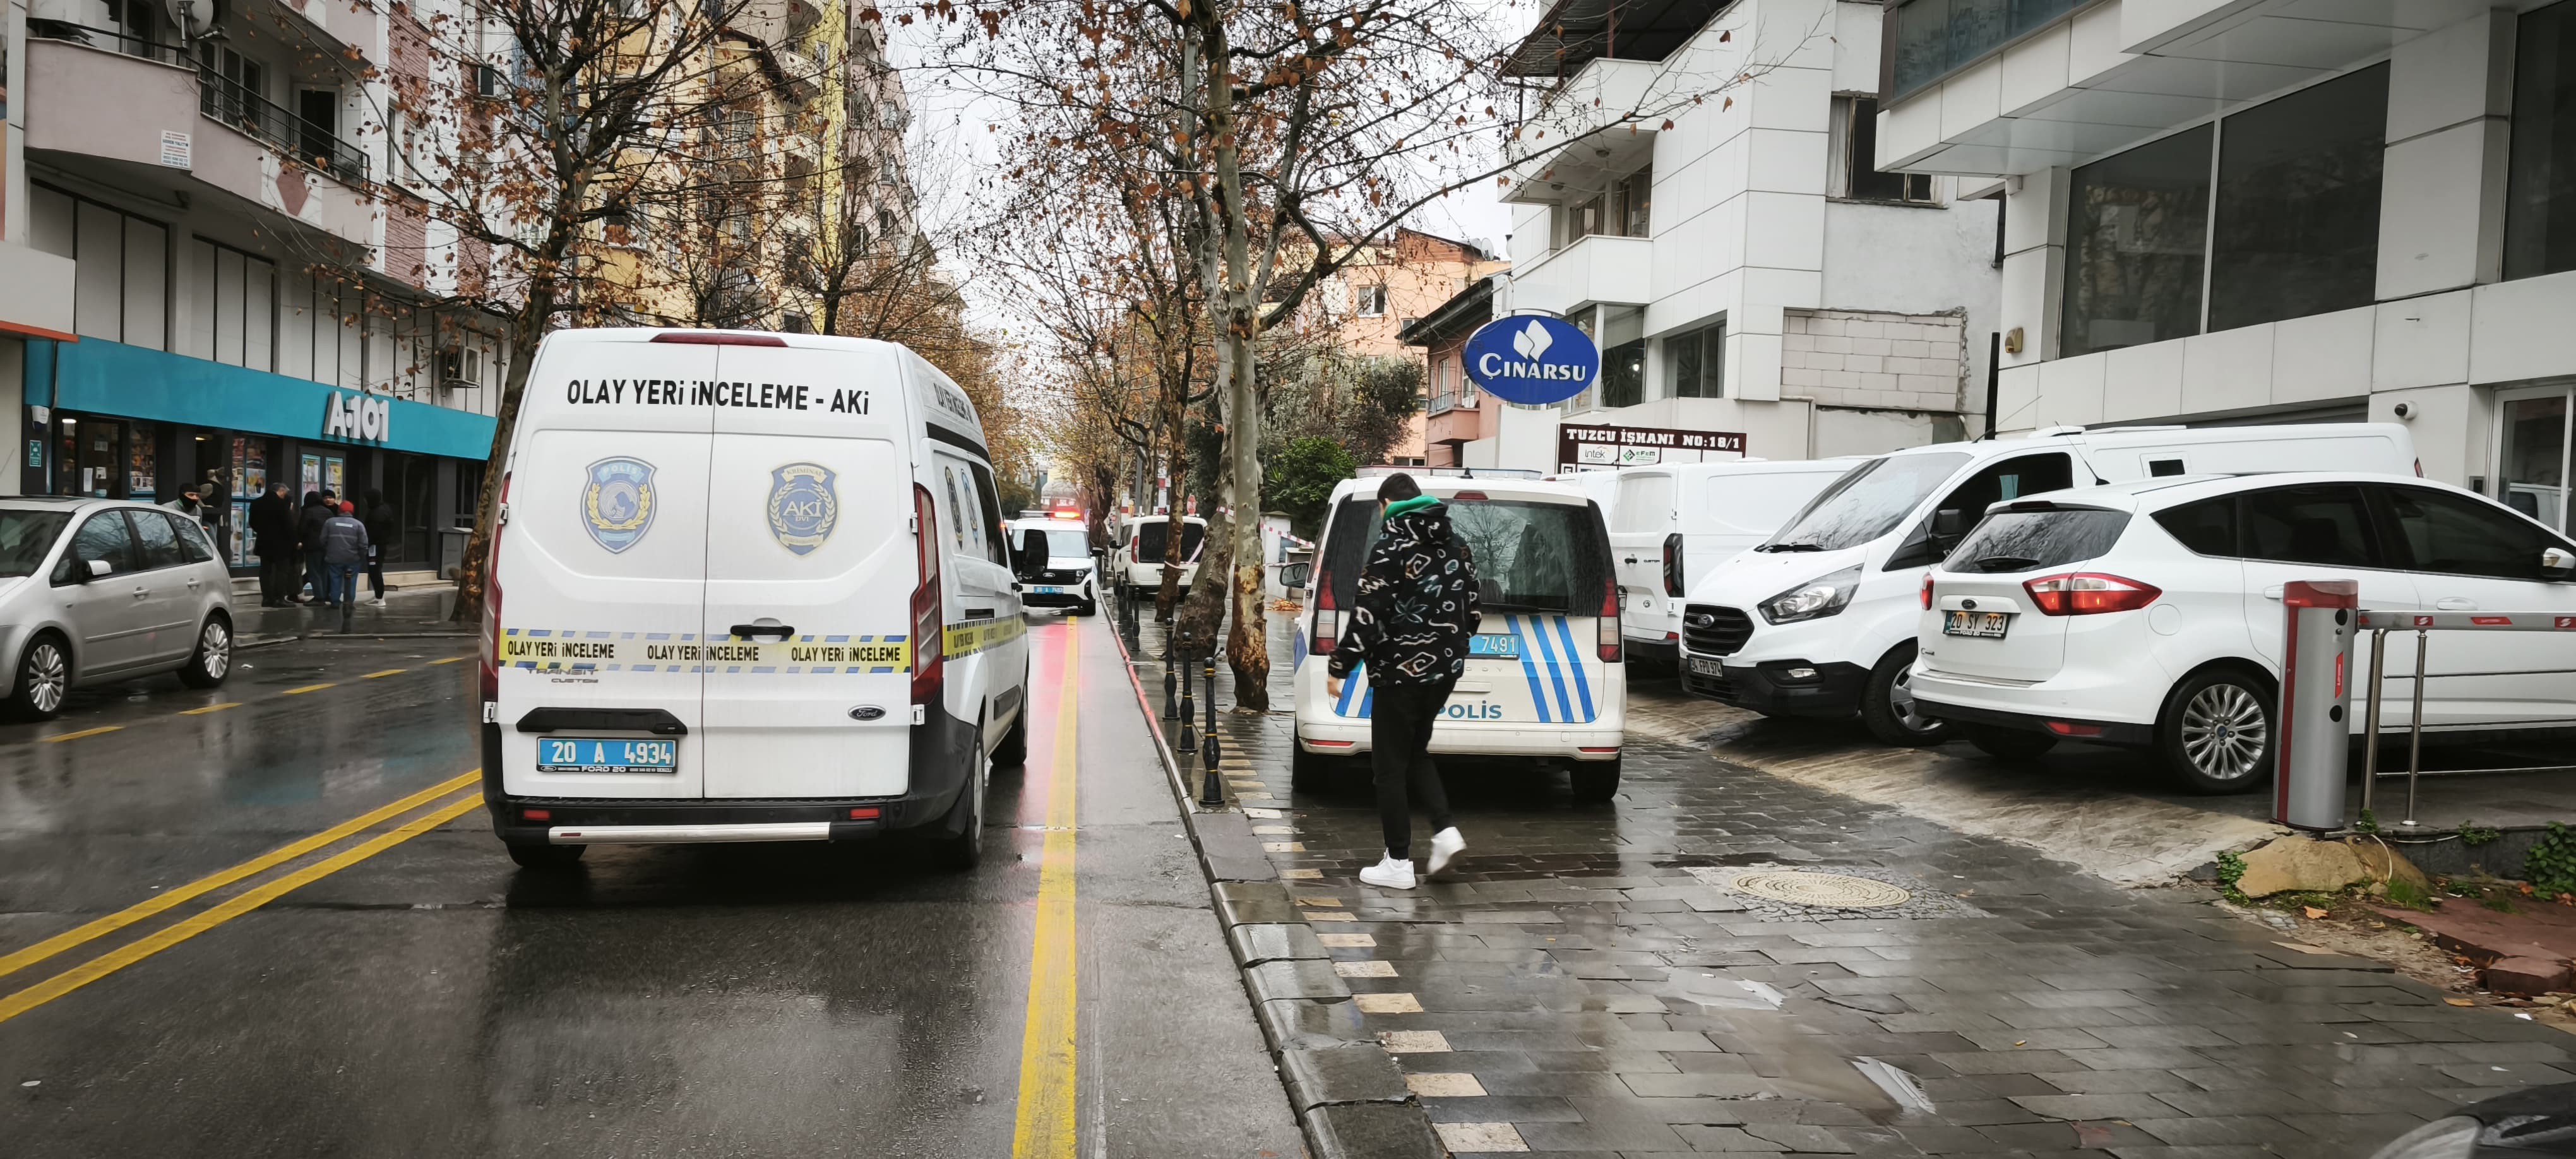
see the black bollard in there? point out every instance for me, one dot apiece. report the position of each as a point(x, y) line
point(1189, 715)
point(1171, 695)
point(1211, 791)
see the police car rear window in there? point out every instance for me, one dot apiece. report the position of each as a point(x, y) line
point(1548, 557)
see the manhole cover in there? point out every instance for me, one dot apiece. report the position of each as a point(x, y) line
point(1828, 890)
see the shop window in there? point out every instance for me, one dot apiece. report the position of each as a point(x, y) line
point(1697, 362)
point(2540, 186)
point(2296, 207)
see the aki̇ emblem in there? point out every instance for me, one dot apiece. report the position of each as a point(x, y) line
point(617, 505)
point(802, 506)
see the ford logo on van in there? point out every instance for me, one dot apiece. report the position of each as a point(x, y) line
point(1532, 359)
point(867, 712)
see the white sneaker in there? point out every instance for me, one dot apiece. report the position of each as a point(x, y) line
point(377, 602)
point(1446, 845)
point(1389, 874)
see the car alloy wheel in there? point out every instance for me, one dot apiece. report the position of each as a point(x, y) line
point(2224, 732)
point(1901, 703)
point(46, 676)
point(215, 644)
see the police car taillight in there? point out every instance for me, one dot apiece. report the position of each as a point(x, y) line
point(927, 620)
point(489, 671)
point(1328, 619)
point(1609, 634)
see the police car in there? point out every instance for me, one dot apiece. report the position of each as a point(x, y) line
point(1056, 568)
point(745, 587)
point(1545, 677)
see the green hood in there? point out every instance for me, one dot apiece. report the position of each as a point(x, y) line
point(1403, 506)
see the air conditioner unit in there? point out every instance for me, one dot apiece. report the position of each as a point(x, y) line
point(460, 368)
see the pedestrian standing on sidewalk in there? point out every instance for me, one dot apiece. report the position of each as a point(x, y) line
point(318, 509)
point(1417, 606)
point(190, 504)
point(382, 528)
point(344, 551)
point(274, 539)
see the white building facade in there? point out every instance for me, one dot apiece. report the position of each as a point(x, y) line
point(1743, 265)
point(2270, 210)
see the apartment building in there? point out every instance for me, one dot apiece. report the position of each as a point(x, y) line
point(2226, 211)
point(208, 264)
point(1745, 266)
point(1370, 302)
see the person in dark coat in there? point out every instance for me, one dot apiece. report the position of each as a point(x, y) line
point(279, 544)
point(1418, 604)
point(318, 510)
point(383, 524)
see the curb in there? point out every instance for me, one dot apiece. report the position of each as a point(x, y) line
point(1350, 1098)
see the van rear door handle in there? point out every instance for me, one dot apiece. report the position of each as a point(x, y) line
point(2455, 604)
point(2273, 592)
point(979, 613)
point(753, 631)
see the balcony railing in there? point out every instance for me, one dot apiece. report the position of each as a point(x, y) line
point(102, 38)
point(271, 124)
point(1931, 39)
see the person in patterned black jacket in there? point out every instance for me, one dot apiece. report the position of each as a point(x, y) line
point(1418, 601)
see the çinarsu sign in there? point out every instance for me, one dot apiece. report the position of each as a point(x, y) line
point(1531, 359)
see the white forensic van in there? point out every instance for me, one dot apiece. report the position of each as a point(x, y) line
point(745, 587)
point(1820, 619)
point(1672, 525)
point(1545, 677)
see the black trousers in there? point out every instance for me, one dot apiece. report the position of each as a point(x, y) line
point(279, 572)
point(376, 572)
point(1400, 720)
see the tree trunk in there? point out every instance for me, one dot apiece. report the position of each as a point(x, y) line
point(1238, 322)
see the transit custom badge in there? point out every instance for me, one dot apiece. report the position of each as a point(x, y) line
point(617, 505)
point(802, 506)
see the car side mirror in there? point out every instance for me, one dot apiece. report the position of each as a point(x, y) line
point(2557, 563)
point(1949, 523)
point(1292, 576)
point(96, 569)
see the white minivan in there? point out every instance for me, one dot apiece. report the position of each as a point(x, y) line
point(1819, 620)
point(1545, 674)
point(1672, 525)
point(745, 587)
point(1056, 566)
point(1136, 560)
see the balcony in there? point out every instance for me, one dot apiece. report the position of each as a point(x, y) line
point(777, 23)
point(1596, 270)
point(122, 112)
point(1599, 95)
point(1999, 92)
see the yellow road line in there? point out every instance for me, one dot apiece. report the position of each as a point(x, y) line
point(387, 672)
point(1045, 1128)
point(60, 738)
point(214, 881)
point(307, 688)
point(177, 932)
point(447, 660)
point(209, 708)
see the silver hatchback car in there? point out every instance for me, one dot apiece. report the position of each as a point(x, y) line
point(98, 590)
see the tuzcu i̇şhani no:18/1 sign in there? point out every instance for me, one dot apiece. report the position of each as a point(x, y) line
point(1532, 359)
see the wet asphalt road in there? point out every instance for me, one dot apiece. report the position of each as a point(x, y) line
point(404, 990)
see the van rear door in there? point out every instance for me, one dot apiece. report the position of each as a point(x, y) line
point(1544, 571)
point(809, 576)
point(1642, 517)
point(602, 570)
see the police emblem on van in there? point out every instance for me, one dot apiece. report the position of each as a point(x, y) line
point(803, 506)
point(617, 505)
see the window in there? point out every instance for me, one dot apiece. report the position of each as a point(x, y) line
point(1632, 204)
point(2018, 541)
point(232, 314)
point(2540, 182)
point(2010, 479)
point(1623, 374)
point(989, 500)
point(1935, 38)
point(1867, 502)
point(192, 539)
point(1861, 180)
point(1645, 502)
point(2290, 229)
point(158, 544)
point(1372, 302)
point(103, 537)
point(2296, 228)
point(2440, 531)
point(2533, 474)
point(121, 282)
point(2207, 527)
point(2323, 525)
point(1697, 363)
point(26, 538)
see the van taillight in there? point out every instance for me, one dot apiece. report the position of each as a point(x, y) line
point(1328, 619)
point(1927, 591)
point(1609, 635)
point(489, 670)
point(1673, 565)
point(928, 622)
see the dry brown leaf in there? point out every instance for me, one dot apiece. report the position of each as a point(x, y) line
point(2458, 1002)
point(2313, 912)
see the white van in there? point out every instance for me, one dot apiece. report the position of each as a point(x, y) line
point(1545, 673)
point(745, 587)
point(1820, 619)
point(1136, 561)
point(1672, 525)
point(1056, 568)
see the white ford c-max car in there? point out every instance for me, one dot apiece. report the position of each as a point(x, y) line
point(2149, 613)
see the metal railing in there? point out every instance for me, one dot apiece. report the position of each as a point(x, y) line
point(272, 124)
point(106, 39)
point(2378, 624)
